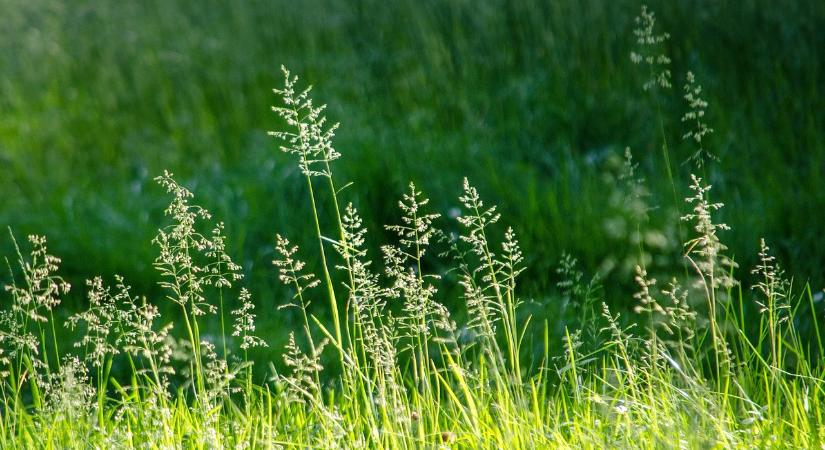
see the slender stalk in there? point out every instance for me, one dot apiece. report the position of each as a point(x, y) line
point(333, 303)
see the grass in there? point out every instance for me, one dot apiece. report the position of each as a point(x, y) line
point(427, 332)
point(99, 94)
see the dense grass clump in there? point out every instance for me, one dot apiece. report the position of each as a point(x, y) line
point(378, 360)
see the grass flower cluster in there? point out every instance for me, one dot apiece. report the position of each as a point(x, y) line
point(379, 361)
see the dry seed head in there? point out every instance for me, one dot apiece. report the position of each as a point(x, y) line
point(649, 50)
point(416, 230)
point(695, 116)
point(771, 285)
point(511, 264)
point(680, 316)
point(481, 308)
point(647, 304)
point(634, 197)
point(367, 296)
point(706, 250)
point(309, 137)
point(570, 283)
point(68, 392)
point(189, 260)
point(476, 218)
point(290, 269)
point(301, 385)
point(245, 322)
point(402, 265)
point(101, 319)
point(43, 287)
point(354, 231)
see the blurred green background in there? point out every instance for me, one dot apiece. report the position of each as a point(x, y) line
point(533, 100)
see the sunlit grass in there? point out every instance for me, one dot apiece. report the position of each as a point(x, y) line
point(377, 359)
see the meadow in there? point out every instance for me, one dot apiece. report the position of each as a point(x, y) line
point(572, 282)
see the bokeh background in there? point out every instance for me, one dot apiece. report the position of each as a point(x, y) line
point(535, 101)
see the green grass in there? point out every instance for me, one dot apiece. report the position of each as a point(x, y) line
point(687, 372)
point(98, 98)
point(435, 331)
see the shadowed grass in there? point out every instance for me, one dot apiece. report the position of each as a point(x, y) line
point(97, 98)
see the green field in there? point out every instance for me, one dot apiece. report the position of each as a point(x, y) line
point(527, 99)
point(540, 105)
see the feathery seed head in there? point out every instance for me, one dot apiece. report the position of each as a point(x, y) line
point(695, 116)
point(772, 285)
point(290, 269)
point(309, 137)
point(649, 50)
point(245, 322)
point(189, 260)
point(708, 250)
